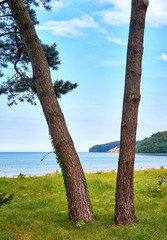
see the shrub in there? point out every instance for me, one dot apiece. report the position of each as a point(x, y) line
point(5, 200)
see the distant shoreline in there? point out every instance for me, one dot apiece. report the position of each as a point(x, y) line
point(153, 154)
point(85, 172)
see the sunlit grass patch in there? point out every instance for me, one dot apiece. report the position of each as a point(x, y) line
point(39, 209)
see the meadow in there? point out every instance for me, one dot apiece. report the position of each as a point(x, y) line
point(38, 210)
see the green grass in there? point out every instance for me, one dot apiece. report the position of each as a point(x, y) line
point(39, 209)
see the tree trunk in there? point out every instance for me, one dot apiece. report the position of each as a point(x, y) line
point(79, 203)
point(124, 209)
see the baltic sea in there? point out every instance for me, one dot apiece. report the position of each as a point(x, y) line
point(29, 163)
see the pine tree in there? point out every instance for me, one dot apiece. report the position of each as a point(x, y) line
point(124, 209)
point(79, 204)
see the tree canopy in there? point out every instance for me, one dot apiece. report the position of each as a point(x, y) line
point(157, 143)
point(19, 84)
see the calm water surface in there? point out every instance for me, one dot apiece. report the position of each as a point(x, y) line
point(29, 163)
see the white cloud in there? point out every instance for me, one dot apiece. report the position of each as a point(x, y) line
point(163, 57)
point(71, 28)
point(56, 5)
point(87, 106)
point(74, 27)
point(105, 62)
point(116, 40)
point(111, 63)
point(157, 13)
point(119, 13)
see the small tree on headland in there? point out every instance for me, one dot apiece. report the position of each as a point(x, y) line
point(124, 209)
point(79, 203)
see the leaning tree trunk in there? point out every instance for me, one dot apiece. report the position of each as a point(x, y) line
point(124, 209)
point(79, 203)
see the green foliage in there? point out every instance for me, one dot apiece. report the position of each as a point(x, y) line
point(19, 85)
point(107, 146)
point(39, 210)
point(21, 175)
point(52, 55)
point(5, 200)
point(157, 143)
point(60, 162)
point(61, 87)
point(80, 224)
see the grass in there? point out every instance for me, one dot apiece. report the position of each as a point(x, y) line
point(39, 209)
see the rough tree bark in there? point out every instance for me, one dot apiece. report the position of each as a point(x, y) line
point(79, 203)
point(124, 209)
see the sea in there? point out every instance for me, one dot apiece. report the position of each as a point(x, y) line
point(31, 163)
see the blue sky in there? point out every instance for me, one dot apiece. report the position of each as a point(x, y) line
point(91, 37)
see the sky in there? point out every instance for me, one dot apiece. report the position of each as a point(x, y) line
point(91, 37)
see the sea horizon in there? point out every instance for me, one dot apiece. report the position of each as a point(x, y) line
point(30, 164)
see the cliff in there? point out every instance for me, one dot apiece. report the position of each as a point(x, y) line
point(108, 147)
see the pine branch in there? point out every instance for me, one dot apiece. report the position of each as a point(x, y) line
point(11, 44)
point(2, 2)
point(7, 15)
point(19, 85)
point(19, 52)
point(1, 35)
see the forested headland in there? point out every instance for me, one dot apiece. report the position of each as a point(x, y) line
point(157, 143)
point(108, 146)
